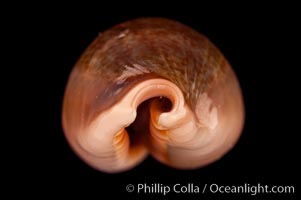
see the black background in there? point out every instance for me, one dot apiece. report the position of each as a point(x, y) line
point(259, 42)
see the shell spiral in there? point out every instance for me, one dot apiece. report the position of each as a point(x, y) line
point(152, 86)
